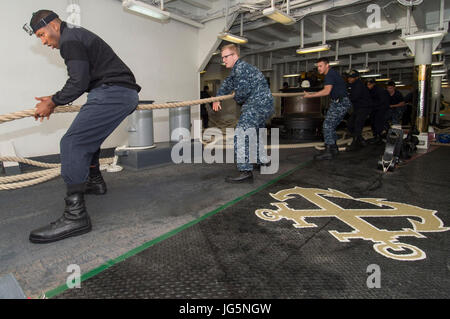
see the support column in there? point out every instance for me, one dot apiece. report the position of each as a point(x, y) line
point(435, 99)
point(422, 82)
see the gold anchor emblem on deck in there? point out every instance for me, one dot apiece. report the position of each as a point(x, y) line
point(386, 241)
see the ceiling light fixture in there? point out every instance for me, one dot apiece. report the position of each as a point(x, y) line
point(277, 15)
point(146, 9)
point(366, 65)
point(439, 63)
point(374, 75)
point(364, 70)
point(227, 36)
point(232, 38)
point(319, 48)
point(424, 35)
point(336, 57)
point(438, 71)
point(291, 75)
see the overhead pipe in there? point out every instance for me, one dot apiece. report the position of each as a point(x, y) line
point(301, 33)
point(337, 51)
point(324, 29)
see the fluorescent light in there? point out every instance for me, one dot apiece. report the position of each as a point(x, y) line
point(435, 75)
point(383, 79)
point(425, 35)
point(204, 71)
point(397, 82)
point(438, 71)
point(370, 75)
point(439, 63)
point(400, 85)
point(319, 48)
point(291, 75)
point(278, 16)
point(363, 70)
point(145, 9)
point(216, 52)
point(232, 38)
point(438, 52)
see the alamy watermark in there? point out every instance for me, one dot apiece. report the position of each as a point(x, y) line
point(374, 278)
point(74, 18)
point(374, 18)
point(221, 148)
point(74, 279)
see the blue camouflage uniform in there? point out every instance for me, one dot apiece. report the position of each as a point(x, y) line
point(339, 106)
point(396, 113)
point(253, 93)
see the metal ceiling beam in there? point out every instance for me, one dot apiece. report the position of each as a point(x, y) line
point(275, 34)
point(202, 4)
point(358, 20)
point(353, 43)
point(418, 17)
point(256, 39)
point(345, 33)
point(347, 51)
point(303, 9)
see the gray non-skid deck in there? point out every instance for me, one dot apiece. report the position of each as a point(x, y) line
point(234, 253)
point(139, 207)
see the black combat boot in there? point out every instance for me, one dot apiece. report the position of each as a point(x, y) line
point(259, 166)
point(361, 141)
point(377, 140)
point(330, 152)
point(74, 221)
point(354, 146)
point(243, 177)
point(95, 184)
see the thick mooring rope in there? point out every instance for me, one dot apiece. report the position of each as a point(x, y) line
point(54, 170)
point(29, 179)
point(76, 108)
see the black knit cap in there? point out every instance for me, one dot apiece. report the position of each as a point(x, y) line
point(41, 18)
point(353, 74)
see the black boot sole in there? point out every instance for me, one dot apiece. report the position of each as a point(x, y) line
point(247, 180)
point(95, 192)
point(326, 158)
point(75, 232)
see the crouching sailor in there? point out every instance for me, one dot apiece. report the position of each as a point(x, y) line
point(113, 94)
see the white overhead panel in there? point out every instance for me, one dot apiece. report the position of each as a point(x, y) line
point(145, 9)
point(202, 4)
point(157, 13)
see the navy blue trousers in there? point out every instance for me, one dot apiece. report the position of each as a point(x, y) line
point(357, 120)
point(106, 107)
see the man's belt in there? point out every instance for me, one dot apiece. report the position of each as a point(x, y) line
point(339, 99)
